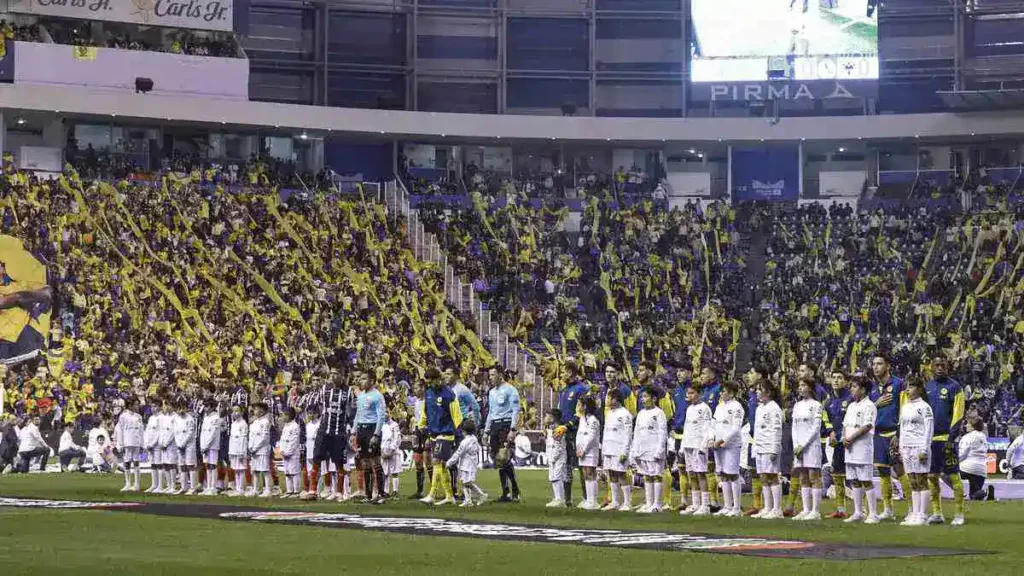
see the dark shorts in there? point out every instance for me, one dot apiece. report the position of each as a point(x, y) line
point(883, 456)
point(222, 456)
point(364, 440)
point(499, 436)
point(839, 460)
point(674, 455)
point(572, 461)
point(442, 450)
point(419, 443)
point(331, 447)
point(945, 460)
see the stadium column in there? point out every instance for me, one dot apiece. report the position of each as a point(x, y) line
point(3, 149)
point(728, 172)
point(800, 170)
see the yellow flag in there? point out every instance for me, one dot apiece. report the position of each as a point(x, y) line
point(84, 52)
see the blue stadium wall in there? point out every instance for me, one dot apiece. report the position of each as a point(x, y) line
point(599, 57)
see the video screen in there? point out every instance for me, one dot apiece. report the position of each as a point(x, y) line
point(742, 40)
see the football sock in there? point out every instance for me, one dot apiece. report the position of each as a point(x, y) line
point(757, 491)
point(958, 493)
point(886, 482)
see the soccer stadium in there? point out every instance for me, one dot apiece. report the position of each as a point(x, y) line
point(511, 286)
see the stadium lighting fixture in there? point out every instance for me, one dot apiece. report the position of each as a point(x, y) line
point(692, 151)
point(304, 136)
point(21, 121)
point(841, 149)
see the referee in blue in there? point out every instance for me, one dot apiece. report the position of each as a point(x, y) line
point(500, 429)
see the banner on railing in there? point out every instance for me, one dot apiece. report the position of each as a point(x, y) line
point(198, 14)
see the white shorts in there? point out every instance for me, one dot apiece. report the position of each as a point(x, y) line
point(170, 456)
point(156, 456)
point(260, 461)
point(392, 465)
point(557, 471)
point(130, 454)
point(860, 472)
point(333, 468)
point(650, 467)
point(767, 463)
point(810, 458)
point(350, 463)
point(292, 465)
point(912, 463)
point(211, 457)
point(591, 459)
point(613, 463)
point(237, 462)
point(696, 460)
point(467, 476)
point(187, 456)
point(727, 459)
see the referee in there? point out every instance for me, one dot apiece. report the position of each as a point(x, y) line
point(500, 428)
point(333, 435)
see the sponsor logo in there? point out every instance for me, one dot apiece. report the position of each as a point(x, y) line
point(607, 538)
point(780, 91)
point(61, 504)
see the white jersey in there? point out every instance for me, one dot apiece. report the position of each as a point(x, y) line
point(973, 451)
point(467, 455)
point(311, 429)
point(555, 454)
point(618, 432)
point(728, 427)
point(238, 442)
point(859, 415)
point(917, 424)
point(806, 424)
point(128, 432)
point(291, 441)
point(390, 439)
point(259, 435)
point(151, 437)
point(650, 436)
point(166, 428)
point(588, 435)
point(185, 431)
point(209, 435)
point(768, 429)
point(699, 427)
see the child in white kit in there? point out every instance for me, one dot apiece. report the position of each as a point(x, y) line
point(768, 450)
point(185, 441)
point(650, 440)
point(128, 437)
point(728, 446)
point(391, 453)
point(698, 431)
point(260, 451)
point(238, 449)
point(151, 441)
point(859, 441)
point(312, 427)
point(617, 437)
point(467, 459)
point(555, 454)
point(209, 445)
point(291, 445)
point(917, 425)
point(168, 449)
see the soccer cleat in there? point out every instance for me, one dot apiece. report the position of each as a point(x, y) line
point(555, 504)
point(503, 499)
point(855, 518)
point(265, 494)
point(799, 516)
point(428, 499)
point(287, 495)
point(482, 499)
point(872, 519)
point(936, 519)
point(588, 505)
point(644, 509)
point(914, 520)
point(191, 492)
point(366, 500)
point(810, 517)
point(887, 515)
point(735, 513)
point(752, 512)
point(307, 496)
point(416, 496)
point(958, 520)
point(378, 500)
point(689, 510)
point(723, 512)
point(466, 504)
point(445, 502)
point(702, 511)
point(234, 494)
point(788, 513)
point(837, 515)
point(625, 508)
point(127, 488)
point(774, 515)
point(609, 507)
point(582, 505)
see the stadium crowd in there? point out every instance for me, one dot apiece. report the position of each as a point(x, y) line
point(201, 319)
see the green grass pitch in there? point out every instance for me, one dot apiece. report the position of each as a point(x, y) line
point(83, 542)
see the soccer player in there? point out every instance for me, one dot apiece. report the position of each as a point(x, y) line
point(391, 454)
point(727, 443)
point(614, 381)
point(332, 436)
point(554, 453)
point(650, 440)
point(569, 398)
point(502, 421)
point(369, 425)
point(916, 429)
point(442, 417)
point(185, 441)
point(420, 456)
point(710, 392)
point(806, 433)
point(698, 432)
point(128, 440)
point(768, 450)
point(617, 437)
point(291, 451)
point(887, 393)
point(833, 414)
point(588, 452)
point(859, 442)
point(238, 449)
point(677, 392)
point(466, 460)
point(946, 397)
point(260, 455)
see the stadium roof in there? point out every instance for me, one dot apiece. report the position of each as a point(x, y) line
point(157, 110)
point(983, 99)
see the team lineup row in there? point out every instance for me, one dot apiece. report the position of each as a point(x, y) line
point(696, 435)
